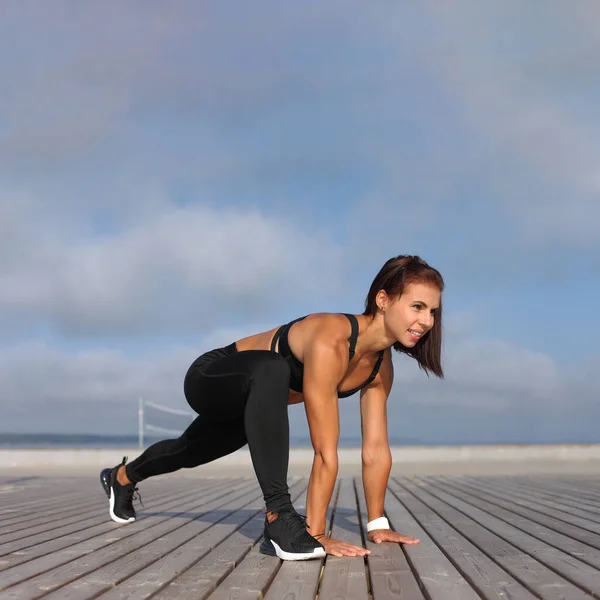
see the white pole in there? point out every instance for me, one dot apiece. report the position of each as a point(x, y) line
point(141, 422)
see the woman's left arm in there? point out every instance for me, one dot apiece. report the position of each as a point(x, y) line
point(376, 453)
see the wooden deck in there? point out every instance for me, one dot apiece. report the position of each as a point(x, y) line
point(513, 538)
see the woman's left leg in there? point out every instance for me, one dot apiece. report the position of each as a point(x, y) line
point(264, 378)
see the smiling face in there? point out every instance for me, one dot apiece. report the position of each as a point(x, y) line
point(409, 317)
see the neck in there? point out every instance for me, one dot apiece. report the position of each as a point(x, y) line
point(373, 337)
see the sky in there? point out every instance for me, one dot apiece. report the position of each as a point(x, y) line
point(175, 177)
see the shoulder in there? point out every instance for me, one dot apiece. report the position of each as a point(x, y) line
point(321, 337)
point(325, 330)
point(337, 324)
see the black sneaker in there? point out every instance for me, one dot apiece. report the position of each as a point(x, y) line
point(287, 538)
point(120, 497)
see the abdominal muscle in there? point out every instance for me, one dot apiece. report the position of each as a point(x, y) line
point(262, 341)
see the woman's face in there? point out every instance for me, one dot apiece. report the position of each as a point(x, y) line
point(410, 316)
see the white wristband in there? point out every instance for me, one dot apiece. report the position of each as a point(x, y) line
point(380, 523)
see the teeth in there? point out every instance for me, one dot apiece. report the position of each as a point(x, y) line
point(415, 333)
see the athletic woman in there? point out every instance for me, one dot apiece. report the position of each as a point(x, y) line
point(241, 393)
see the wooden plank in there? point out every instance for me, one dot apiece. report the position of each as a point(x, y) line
point(17, 479)
point(45, 523)
point(575, 496)
point(550, 530)
point(572, 504)
point(14, 505)
point(469, 546)
point(66, 500)
point(296, 580)
point(34, 548)
point(202, 578)
point(252, 576)
point(57, 569)
point(53, 519)
point(17, 508)
point(567, 568)
point(137, 536)
point(437, 575)
point(24, 517)
point(100, 520)
point(345, 576)
point(389, 572)
point(139, 574)
point(299, 580)
point(64, 545)
point(571, 496)
point(533, 499)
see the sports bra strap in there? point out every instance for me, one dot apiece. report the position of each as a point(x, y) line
point(282, 332)
point(276, 338)
point(375, 369)
point(354, 333)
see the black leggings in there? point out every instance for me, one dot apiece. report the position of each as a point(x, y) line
point(241, 397)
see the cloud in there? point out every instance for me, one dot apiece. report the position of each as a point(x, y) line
point(541, 149)
point(47, 389)
point(493, 387)
point(488, 373)
point(64, 96)
point(494, 393)
point(167, 171)
point(268, 120)
point(188, 266)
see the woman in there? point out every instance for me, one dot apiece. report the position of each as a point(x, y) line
point(242, 391)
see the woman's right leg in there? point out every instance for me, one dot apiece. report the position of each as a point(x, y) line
point(240, 396)
point(202, 442)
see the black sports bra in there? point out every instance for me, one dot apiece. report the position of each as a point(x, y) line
point(297, 368)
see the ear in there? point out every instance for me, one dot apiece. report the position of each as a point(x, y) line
point(382, 300)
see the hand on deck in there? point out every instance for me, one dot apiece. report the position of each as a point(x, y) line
point(387, 535)
point(339, 548)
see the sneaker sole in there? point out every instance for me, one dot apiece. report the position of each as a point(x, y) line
point(283, 555)
point(111, 512)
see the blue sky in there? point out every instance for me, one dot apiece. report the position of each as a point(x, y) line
point(172, 178)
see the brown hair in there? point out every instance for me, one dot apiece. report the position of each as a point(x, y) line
point(393, 277)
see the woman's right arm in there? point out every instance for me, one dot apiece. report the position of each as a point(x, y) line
point(324, 368)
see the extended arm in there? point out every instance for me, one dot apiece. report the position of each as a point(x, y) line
point(376, 454)
point(323, 368)
point(325, 363)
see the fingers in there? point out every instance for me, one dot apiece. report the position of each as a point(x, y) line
point(356, 551)
point(405, 539)
point(408, 540)
point(337, 548)
point(349, 552)
point(392, 536)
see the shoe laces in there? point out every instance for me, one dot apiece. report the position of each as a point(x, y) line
point(295, 522)
point(132, 492)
